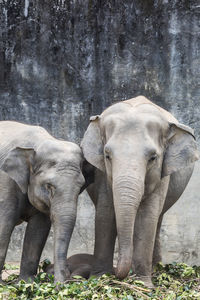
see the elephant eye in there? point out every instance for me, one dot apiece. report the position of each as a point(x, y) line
point(153, 157)
point(47, 186)
point(50, 189)
point(107, 153)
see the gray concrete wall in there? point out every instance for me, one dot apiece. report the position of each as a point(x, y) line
point(62, 61)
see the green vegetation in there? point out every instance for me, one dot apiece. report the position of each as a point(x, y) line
point(173, 282)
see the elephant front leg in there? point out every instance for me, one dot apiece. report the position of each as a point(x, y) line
point(35, 237)
point(145, 232)
point(6, 229)
point(105, 236)
point(7, 224)
point(105, 230)
point(157, 257)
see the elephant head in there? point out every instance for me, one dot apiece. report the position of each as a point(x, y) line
point(51, 176)
point(135, 143)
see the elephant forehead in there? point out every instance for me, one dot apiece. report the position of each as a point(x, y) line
point(58, 159)
point(136, 105)
point(129, 121)
point(58, 149)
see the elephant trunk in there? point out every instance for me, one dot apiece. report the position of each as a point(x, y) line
point(63, 224)
point(127, 192)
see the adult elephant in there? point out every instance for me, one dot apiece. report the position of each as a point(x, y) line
point(143, 157)
point(40, 181)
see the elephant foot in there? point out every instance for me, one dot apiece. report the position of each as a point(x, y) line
point(62, 277)
point(147, 281)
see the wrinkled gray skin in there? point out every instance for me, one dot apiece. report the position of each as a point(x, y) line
point(40, 181)
point(144, 159)
point(78, 264)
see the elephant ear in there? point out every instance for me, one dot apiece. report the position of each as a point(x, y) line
point(18, 165)
point(92, 145)
point(181, 149)
point(88, 172)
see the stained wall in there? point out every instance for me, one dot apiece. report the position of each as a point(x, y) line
point(62, 61)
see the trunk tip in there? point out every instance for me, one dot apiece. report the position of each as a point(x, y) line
point(122, 270)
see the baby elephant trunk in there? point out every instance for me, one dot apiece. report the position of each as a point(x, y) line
point(63, 225)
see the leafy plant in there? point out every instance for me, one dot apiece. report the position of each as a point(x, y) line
point(175, 281)
point(10, 267)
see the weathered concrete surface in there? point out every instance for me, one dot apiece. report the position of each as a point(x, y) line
point(61, 61)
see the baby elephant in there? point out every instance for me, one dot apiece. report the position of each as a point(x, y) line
point(78, 264)
point(40, 180)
